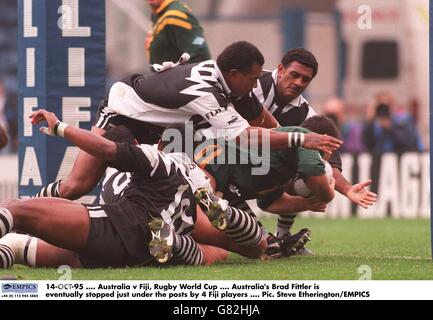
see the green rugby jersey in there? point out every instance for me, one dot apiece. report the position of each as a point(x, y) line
point(175, 31)
point(237, 182)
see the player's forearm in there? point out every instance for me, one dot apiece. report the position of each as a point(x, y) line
point(96, 145)
point(288, 204)
point(262, 137)
point(321, 188)
point(341, 184)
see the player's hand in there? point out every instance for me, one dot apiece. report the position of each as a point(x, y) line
point(3, 137)
point(361, 196)
point(313, 204)
point(43, 115)
point(321, 142)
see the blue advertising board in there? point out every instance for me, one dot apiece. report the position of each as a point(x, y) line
point(61, 46)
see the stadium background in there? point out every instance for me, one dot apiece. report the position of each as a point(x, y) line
point(326, 28)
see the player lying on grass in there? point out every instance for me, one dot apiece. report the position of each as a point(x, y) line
point(159, 190)
point(201, 93)
point(151, 221)
point(247, 225)
point(241, 234)
point(243, 239)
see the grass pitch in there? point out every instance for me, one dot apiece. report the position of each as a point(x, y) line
point(344, 249)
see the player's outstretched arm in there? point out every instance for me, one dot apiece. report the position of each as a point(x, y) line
point(356, 193)
point(282, 140)
point(291, 204)
point(321, 188)
point(97, 146)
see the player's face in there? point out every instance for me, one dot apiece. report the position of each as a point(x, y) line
point(242, 83)
point(293, 80)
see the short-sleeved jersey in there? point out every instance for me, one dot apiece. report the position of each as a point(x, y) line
point(156, 187)
point(292, 114)
point(237, 182)
point(194, 92)
point(175, 31)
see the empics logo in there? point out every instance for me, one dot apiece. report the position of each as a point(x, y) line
point(19, 288)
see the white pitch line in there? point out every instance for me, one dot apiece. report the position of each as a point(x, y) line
point(378, 257)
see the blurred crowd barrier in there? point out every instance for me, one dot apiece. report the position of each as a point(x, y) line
point(402, 182)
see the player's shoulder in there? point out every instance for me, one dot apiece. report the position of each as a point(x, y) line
point(178, 6)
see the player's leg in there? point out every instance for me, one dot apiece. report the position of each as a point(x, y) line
point(205, 233)
point(212, 254)
point(33, 252)
point(60, 222)
point(240, 227)
point(187, 251)
point(285, 223)
point(180, 249)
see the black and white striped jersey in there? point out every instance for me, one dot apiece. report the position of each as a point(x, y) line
point(155, 187)
point(191, 92)
point(171, 169)
point(292, 114)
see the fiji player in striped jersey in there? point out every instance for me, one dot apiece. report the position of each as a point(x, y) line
point(152, 220)
point(241, 234)
point(202, 93)
point(159, 190)
point(280, 92)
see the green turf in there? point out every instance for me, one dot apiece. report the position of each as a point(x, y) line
point(393, 249)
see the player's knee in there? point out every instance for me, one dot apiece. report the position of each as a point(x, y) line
point(19, 211)
point(12, 205)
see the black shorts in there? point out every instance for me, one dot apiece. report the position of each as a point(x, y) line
point(144, 132)
point(105, 247)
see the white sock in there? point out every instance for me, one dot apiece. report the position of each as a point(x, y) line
point(24, 247)
point(285, 223)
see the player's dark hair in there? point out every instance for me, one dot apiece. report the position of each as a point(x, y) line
point(119, 134)
point(321, 125)
point(241, 56)
point(303, 56)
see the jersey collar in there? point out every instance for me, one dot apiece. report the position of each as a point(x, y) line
point(163, 6)
point(297, 102)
